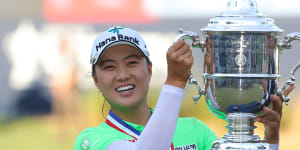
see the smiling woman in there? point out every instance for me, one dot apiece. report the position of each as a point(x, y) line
point(122, 75)
point(122, 70)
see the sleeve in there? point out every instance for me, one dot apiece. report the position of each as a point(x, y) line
point(274, 146)
point(159, 131)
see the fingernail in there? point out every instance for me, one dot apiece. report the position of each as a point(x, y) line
point(273, 98)
point(265, 109)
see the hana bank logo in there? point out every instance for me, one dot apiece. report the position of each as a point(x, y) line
point(119, 37)
point(115, 30)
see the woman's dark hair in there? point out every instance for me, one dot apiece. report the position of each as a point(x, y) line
point(93, 70)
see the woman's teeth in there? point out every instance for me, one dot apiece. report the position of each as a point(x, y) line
point(125, 88)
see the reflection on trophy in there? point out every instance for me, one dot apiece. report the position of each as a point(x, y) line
point(241, 70)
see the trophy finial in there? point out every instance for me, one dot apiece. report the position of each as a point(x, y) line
point(241, 7)
point(242, 15)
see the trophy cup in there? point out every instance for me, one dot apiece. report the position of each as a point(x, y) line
point(241, 70)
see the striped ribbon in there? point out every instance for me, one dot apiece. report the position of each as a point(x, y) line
point(115, 122)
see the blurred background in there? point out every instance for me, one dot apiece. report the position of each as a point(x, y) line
point(47, 96)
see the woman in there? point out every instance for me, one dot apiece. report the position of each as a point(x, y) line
point(121, 70)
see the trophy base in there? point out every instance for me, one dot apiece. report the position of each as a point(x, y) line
point(226, 145)
point(240, 134)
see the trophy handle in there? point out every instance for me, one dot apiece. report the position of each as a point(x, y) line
point(197, 40)
point(286, 44)
point(198, 43)
point(201, 91)
point(288, 83)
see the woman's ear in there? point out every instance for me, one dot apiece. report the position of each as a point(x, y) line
point(95, 78)
point(149, 68)
point(96, 81)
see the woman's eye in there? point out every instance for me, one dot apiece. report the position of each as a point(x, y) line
point(108, 67)
point(133, 62)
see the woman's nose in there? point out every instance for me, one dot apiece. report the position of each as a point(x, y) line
point(123, 74)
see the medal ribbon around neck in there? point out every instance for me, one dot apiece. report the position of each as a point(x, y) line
point(115, 122)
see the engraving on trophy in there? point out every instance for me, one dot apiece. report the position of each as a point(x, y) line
point(240, 60)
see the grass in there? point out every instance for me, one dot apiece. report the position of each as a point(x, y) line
point(31, 133)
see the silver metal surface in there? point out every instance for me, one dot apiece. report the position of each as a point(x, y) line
point(241, 87)
point(241, 70)
point(240, 76)
point(223, 145)
point(240, 127)
point(197, 41)
point(240, 134)
point(288, 83)
point(286, 43)
point(241, 15)
point(201, 91)
point(241, 62)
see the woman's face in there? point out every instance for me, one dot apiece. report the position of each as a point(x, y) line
point(123, 75)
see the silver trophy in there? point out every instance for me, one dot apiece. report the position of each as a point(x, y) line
point(241, 70)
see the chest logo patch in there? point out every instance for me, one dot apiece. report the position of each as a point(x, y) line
point(187, 147)
point(85, 145)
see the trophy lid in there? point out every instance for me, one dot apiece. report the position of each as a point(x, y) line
point(242, 15)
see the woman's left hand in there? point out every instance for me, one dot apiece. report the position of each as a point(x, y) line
point(272, 118)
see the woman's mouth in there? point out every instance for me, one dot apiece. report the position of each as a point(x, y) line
point(125, 88)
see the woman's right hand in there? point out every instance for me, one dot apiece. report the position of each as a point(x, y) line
point(180, 61)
